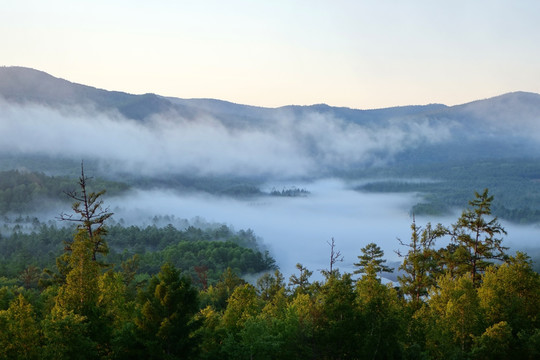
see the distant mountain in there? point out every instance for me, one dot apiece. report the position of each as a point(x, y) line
point(25, 85)
point(503, 126)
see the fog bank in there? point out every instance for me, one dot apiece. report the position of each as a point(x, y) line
point(289, 145)
point(297, 230)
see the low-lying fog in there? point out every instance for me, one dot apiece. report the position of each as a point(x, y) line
point(297, 230)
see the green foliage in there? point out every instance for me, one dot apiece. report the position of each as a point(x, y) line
point(511, 293)
point(241, 305)
point(439, 312)
point(457, 318)
point(19, 331)
point(371, 261)
point(218, 294)
point(214, 248)
point(382, 313)
point(21, 190)
point(300, 283)
point(66, 336)
point(166, 322)
point(477, 237)
point(446, 186)
point(215, 256)
point(80, 292)
point(495, 343)
point(268, 286)
point(338, 324)
point(419, 267)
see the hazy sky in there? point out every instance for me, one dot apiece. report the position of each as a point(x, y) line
point(361, 54)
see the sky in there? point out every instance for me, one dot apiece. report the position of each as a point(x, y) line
point(358, 54)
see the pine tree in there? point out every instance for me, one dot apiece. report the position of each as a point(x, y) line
point(66, 336)
point(89, 215)
point(301, 282)
point(19, 332)
point(419, 264)
point(167, 315)
point(80, 293)
point(269, 285)
point(479, 236)
point(371, 261)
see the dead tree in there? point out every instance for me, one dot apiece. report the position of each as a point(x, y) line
point(335, 255)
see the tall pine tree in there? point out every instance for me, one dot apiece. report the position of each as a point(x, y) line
point(478, 238)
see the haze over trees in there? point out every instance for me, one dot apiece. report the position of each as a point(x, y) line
point(443, 152)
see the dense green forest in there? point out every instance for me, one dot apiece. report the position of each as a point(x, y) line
point(447, 186)
point(110, 292)
point(21, 190)
point(214, 249)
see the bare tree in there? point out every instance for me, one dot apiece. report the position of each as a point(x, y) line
point(335, 255)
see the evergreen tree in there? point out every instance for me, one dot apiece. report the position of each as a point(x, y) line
point(495, 343)
point(218, 294)
point(300, 283)
point(241, 305)
point(167, 316)
point(80, 293)
point(338, 324)
point(510, 294)
point(269, 285)
point(478, 237)
point(19, 331)
point(371, 261)
point(454, 317)
point(380, 311)
point(419, 264)
point(66, 336)
point(89, 215)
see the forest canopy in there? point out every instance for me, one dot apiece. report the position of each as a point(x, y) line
point(160, 292)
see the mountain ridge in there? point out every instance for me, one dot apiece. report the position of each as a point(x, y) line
point(22, 84)
point(506, 126)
